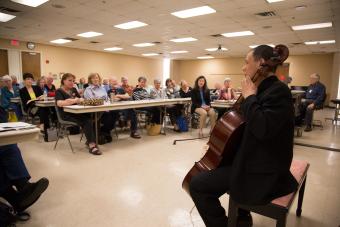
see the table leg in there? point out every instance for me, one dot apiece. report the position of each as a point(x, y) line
point(96, 126)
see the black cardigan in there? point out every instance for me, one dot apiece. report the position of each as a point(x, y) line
point(260, 170)
point(196, 99)
point(25, 97)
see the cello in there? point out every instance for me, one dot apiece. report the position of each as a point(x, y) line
point(227, 133)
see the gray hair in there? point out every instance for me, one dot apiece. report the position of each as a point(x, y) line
point(6, 78)
point(157, 81)
point(315, 76)
point(227, 79)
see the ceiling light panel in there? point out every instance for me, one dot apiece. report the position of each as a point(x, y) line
point(312, 26)
point(90, 34)
point(198, 11)
point(32, 3)
point(238, 34)
point(182, 40)
point(6, 17)
point(131, 25)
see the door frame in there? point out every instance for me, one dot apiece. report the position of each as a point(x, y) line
point(31, 51)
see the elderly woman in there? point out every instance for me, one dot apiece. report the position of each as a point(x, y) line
point(68, 95)
point(96, 91)
point(41, 82)
point(227, 93)
point(7, 92)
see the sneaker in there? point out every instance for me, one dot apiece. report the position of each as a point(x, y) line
point(135, 135)
point(30, 194)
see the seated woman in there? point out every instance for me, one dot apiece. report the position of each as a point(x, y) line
point(7, 92)
point(174, 110)
point(68, 95)
point(227, 93)
point(200, 97)
point(29, 94)
point(140, 93)
point(185, 91)
point(41, 82)
point(96, 91)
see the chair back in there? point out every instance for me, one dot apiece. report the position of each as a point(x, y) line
point(60, 120)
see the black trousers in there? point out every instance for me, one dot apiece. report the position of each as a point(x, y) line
point(205, 189)
point(305, 113)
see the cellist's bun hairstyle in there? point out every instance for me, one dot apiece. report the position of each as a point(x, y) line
point(272, 56)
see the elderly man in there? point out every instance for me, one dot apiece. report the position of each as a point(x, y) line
point(49, 86)
point(157, 92)
point(9, 91)
point(315, 97)
point(125, 85)
point(129, 114)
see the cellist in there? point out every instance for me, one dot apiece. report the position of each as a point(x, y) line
point(259, 172)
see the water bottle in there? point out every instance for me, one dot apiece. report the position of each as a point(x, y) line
point(45, 95)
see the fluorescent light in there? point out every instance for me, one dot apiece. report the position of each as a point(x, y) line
point(311, 43)
point(89, 34)
point(327, 42)
point(6, 17)
point(198, 11)
point(150, 54)
point(272, 1)
point(320, 42)
point(216, 49)
point(205, 57)
point(179, 52)
point(182, 40)
point(312, 26)
point(143, 44)
point(130, 25)
point(254, 46)
point(236, 34)
point(60, 41)
point(113, 48)
point(32, 3)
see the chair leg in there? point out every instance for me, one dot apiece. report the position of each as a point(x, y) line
point(232, 213)
point(281, 222)
point(56, 142)
point(69, 142)
point(300, 198)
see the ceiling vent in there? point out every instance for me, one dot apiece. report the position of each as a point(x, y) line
point(94, 42)
point(58, 6)
point(157, 42)
point(9, 10)
point(216, 35)
point(71, 39)
point(266, 14)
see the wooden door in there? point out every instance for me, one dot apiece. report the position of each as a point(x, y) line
point(3, 62)
point(31, 63)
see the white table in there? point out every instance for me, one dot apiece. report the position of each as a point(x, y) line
point(15, 100)
point(222, 104)
point(47, 103)
point(17, 136)
point(122, 105)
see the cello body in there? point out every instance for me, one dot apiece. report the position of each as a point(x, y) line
point(223, 143)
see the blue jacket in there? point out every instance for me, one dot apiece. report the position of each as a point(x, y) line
point(317, 93)
point(6, 96)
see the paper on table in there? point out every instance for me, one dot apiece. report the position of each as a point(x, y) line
point(15, 125)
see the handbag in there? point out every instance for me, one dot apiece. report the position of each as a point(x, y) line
point(52, 134)
point(153, 129)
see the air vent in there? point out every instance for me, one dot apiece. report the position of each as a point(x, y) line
point(94, 42)
point(157, 42)
point(296, 44)
point(58, 6)
point(9, 10)
point(266, 14)
point(216, 35)
point(9, 27)
point(266, 26)
point(72, 39)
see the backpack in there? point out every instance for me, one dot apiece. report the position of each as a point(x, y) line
point(7, 215)
point(182, 124)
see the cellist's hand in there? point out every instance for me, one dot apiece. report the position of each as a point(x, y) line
point(248, 87)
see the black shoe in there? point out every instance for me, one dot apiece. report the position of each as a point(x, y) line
point(29, 194)
point(245, 220)
point(135, 135)
point(108, 139)
point(308, 129)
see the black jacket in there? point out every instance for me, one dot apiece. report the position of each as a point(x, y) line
point(196, 99)
point(261, 166)
point(25, 97)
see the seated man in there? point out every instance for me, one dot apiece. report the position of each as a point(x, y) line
point(14, 174)
point(140, 93)
point(315, 97)
point(130, 114)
